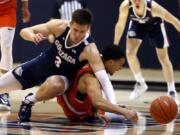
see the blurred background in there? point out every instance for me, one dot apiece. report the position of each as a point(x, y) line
point(105, 16)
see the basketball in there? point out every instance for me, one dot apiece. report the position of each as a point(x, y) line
point(163, 109)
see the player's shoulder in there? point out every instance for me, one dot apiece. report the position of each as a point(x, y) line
point(59, 22)
point(155, 6)
point(57, 26)
point(125, 3)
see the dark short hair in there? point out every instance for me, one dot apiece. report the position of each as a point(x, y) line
point(82, 16)
point(113, 52)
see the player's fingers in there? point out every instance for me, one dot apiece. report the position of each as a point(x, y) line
point(134, 116)
point(41, 37)
point(38, 38)
point(35, 41)
point(26, 19)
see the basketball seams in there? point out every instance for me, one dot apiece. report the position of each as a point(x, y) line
point(173, 108)
point(162, 103)
point(156, 111)
point(156, 116)
point(163, 109)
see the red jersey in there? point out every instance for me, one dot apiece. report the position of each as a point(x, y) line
point(8, 13)
point(75, 109)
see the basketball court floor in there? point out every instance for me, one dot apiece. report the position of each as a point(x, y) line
point(48, 118)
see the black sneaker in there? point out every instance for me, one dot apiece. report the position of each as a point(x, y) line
point(24, 114)
point(4, 102)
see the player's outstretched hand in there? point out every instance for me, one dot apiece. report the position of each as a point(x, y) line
point(132, 115)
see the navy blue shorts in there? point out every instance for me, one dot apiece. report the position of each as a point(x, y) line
point(31, 73)
point(154, 33)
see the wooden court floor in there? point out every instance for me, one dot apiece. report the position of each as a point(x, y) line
point(48, 118)
point(55, 124)
point(49, 121)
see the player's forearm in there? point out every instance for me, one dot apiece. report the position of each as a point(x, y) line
point(95, 94)
point(95, 61)
point(24, 3)
point(102, 76)
point(104, 80)
point(177, 25)
point(117, 34)
point(27, 34)
point(173, 20)
point(92, 54)
point(26, 15)
point(121, 23)
point(25, 6)
point(106, 85)
point(106, 106)
point(159, 11)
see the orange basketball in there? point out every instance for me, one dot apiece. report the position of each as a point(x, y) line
point(163, 109)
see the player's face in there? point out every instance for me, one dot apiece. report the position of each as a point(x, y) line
point(137, 3)
point(78, 32)
point(114, 65)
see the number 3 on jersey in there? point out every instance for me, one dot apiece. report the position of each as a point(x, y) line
point(58, 61)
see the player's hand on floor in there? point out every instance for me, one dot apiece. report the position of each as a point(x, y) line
point(132, 115)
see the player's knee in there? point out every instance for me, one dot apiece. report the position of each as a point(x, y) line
point(164, 60)
point(56, 83)
point(6, 48)
point(6, 44)
point(130, 54)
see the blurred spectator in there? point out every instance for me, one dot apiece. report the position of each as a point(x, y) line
point(63, 8)
point(7, 31)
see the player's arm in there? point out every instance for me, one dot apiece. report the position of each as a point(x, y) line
point(40, 32)
point(26, 15)
point(92, 54)
point(159, 11)
point(121, 23)
point(93, 90)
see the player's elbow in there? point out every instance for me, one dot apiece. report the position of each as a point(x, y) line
point(93, 89)
point(96, 101)
point(98, 104)
point(23, 32)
